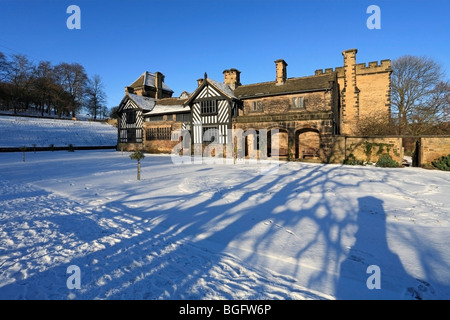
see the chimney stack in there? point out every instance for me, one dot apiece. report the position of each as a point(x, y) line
point(159, 79)
point(129, 90)
point(281, 71)
point(350, 93)
point(232, 78)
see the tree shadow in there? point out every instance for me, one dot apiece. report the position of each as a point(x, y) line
point(282, 236)
point(372, 270)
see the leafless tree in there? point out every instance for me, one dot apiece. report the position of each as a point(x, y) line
point(20, 76)
point(419, 94)
point(4, 66)
point(96, 97)
point(73, 78)
point(376, 124)
point(42, 86)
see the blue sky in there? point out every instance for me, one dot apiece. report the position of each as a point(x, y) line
point(119, 40)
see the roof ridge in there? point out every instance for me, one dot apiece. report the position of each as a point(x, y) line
point(293, 78)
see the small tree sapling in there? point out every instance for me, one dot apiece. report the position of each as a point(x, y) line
point(138, 156)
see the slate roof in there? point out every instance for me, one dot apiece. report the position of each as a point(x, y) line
point(148, 79)
point(292, 85)
point(168, 105)
point(222, 87)
point(145, 103)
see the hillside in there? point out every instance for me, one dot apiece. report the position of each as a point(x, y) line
point(39, 132)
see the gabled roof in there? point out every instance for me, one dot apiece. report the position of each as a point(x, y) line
point(168, 105)
point(148, 79)
point(225, 89)
point(292, 85)
point(144, 103)
point(221, 87)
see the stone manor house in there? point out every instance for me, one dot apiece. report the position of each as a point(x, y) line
point(309, 113)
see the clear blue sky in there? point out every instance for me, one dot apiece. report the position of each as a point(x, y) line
point(119, 40)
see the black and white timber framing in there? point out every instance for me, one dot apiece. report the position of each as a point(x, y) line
point(131, 117)
point(211, 104)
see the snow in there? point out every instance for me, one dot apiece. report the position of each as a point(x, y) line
point(219, 231)
point(165, 109)
point(23, 131)
point(145, 103)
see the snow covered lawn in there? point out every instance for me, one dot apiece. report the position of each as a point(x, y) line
point(22, 131)
point(217, 231)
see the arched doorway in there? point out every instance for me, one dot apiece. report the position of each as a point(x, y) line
point(307, 144)
point(279, 143)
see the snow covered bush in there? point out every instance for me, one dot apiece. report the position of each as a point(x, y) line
point(386, 161)
point(442, 163)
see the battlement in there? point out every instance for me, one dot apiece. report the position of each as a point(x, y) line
point(361, 68)
point(374, 66)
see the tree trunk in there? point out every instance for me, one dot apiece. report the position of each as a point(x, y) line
point(139, 170)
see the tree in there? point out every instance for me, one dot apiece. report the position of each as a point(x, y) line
point(20, 77)
point(95, 97)
point(138, 156)
point(113, 112)
point(376, 124)
point(43, 86)
point(73, 79)
point(419, 94)
point(4, 66)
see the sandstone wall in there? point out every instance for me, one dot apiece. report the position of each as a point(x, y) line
point(432, 148)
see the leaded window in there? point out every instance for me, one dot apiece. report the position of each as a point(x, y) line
point(208, 107)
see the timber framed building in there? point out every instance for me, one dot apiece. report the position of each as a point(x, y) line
point(308, 112)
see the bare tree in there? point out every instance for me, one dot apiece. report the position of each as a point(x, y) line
point(73, 78)
point(376, 124)
point(96, 97)
point(43, 85)
point(4, 66)
point(419, 94)
point(20, 77)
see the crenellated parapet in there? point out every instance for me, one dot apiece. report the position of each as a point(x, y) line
point(361, 68)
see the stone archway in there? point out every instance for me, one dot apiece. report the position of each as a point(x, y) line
point(280, 143)
point(307, 144)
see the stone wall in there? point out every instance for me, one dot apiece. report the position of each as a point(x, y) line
point(129, 147)
point(313, 102)
point(159, 146)
point(432, 148)
point(340, 148)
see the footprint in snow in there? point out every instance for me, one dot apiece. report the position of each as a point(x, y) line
point(421, 291)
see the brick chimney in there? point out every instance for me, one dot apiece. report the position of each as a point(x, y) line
point(232, 78)
point(281, 71)
point(159, 79)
